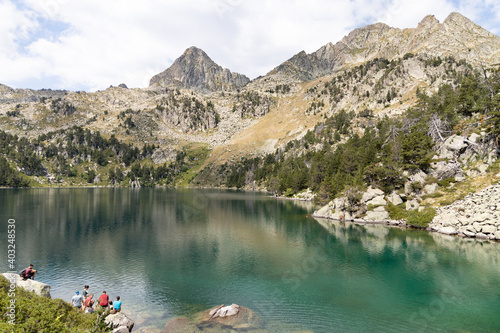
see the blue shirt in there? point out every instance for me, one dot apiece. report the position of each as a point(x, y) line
point(117, 305)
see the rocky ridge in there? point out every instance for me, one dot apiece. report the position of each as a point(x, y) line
point(457, 36)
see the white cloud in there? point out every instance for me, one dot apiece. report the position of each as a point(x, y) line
point(407, 14)
point(109, 42)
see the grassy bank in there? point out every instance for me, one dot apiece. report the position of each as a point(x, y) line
point(35, 314)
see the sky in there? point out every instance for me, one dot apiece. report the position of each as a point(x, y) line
point(92, 44)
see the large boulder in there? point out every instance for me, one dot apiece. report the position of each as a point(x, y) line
point(443, 170)
point(39, 288)
point(377, 201)
point(453, 146)
point(447, 230)
point(371, 193)
point(118, 321)
point(431, 188)
point(218, 319)
point(395, 199)
point(412, 204)
point(419, 177)
point(379, 214)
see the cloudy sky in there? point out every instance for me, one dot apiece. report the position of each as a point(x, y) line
point(92, 44)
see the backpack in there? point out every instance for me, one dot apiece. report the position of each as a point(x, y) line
point(23, 273)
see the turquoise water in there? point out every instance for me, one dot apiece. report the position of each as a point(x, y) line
point(171, 253)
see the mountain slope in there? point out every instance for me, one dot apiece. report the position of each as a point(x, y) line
point(195, 70)
point(456, 36)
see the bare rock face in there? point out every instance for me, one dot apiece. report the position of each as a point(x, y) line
point(39, 288)
point(218, 319)
point(195, 70)
point(457, 36)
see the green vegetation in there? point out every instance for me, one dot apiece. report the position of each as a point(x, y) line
point(82, 156)
point(252, 104)
point(413, 218)
point(10, 177)
point(39, 314)
point(188, 111)
point(421, 219)
point(333, 155)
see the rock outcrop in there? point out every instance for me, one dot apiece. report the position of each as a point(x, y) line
point(195, 70)
point(457, 36)
point(119, 322)
point(232, 318)
point(477, 215)
point(370, 209)
point(39, 288)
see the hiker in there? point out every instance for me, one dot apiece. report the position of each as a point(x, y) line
point(103, 299)
point(28, 273)
point(76, 301)
point(117, 305)
point(85, 290)
point(89, 303)
point(85, 295)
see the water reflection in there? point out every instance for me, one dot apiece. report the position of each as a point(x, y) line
point(174, 252)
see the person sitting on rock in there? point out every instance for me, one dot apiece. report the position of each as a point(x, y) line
point(117, 305)
point(89, 303)
point(29, 273)
point(103, 299)
point(110, 307)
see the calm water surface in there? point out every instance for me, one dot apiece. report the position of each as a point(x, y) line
point(172, 253)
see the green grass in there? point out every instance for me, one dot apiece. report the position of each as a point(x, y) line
point(197, 155)
point(433, 195)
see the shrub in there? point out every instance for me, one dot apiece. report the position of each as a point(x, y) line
point(446, 182)
point(39, 314)
point(398, 212)
point(421, 219)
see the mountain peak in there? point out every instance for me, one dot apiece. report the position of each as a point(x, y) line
point(428, 21)
point(194, 69)
point(457, 17)
point(457, 36)
point(193, 51)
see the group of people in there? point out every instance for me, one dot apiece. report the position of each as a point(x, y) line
point(86, 301)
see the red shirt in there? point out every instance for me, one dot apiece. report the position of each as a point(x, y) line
point(87, 302)
point(103, 299)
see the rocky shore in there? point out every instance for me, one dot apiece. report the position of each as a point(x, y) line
point(477, 215)
point(343, 210)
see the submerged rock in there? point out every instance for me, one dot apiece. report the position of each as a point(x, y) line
point(39, 288)
point(218, 319)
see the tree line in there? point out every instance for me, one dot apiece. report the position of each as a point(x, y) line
point(333, 157)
